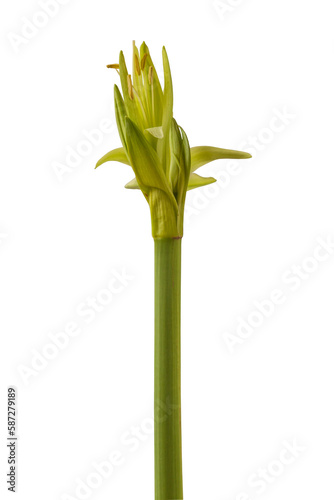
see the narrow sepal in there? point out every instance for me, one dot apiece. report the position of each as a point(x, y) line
point(118, 154)
point(196, 181)
point(168, 90)
point(120, 113)
point(167, 109)
point(130, 105)
point(153, 90)
point(200, 155)
point(175, 146)
point(145, 162)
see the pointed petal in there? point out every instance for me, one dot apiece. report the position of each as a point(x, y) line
point(196, 181)
point(186, 153)
point(200, 155)
point(120, 113)
point(185, 164)
point(133, 184)
point(168, 91)
point(136, 70)
point(184, 170)
point(148, 62)
point(175, 144)
point(129, 102)
point(138, 88)
point(145, 162)
point(167, 108)
point(118, 154)
point(152, 87)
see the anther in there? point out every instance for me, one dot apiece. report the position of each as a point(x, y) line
point(130, 88)
point(143, 61)
point(150, 75)
point(137, 64)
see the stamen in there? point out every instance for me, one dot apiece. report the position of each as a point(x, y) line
point(140, 103)
point(130, 88)
point(150, 80)
point(114, 66)
point(150, 75)
point(137, 64)
point(143, 61)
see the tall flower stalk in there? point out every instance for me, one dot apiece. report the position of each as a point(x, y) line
point(158, 151)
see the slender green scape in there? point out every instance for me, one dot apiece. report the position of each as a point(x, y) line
point(158, 151)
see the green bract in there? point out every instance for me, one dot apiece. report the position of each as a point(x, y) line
point(155, 146)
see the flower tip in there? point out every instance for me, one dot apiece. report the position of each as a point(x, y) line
point(143, 48)
point(164, 52)
point(118, 96)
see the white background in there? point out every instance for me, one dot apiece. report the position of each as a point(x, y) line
point(236, 66)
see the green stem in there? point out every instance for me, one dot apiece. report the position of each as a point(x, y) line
point(167, 370)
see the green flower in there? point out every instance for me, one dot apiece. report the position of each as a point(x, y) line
point(155, 146)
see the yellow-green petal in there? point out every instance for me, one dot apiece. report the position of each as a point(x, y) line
point(130, 104)
point(145, 162)
point(153, 91)
point(133, 184)
point(185, 167)
point(196, 181)
point(200, 155)
point(120, 113)
point(175, 146)
point(167, 110)
point(117, 154)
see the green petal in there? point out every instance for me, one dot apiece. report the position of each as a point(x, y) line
point(175, 145)
point(167, 109)
point(144, 50)
point(140, 97)
point(130, 104)
point(136, 66)
point(186, 153)
point(153, 91)
point(118, 154)
point(185, 167)
point(200, 155)
point(145, 162)
point(120, 113)
point(196, 181)
point(133, 184)
point(168, 91)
